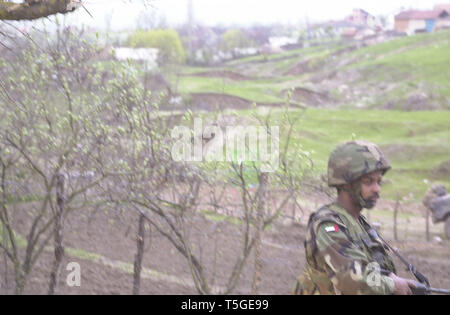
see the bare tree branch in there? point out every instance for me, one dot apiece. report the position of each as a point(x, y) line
point(35, 9)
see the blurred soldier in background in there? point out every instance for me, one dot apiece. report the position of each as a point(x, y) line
point(437, 201)
point(435, 191)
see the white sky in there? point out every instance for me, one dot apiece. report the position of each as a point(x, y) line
point(124, 13)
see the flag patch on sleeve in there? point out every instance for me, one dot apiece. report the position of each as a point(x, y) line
point(332, 228)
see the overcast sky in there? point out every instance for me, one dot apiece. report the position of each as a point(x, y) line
point(123, 13)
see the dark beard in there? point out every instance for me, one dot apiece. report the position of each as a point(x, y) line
point(357, 197)
point(368, 204)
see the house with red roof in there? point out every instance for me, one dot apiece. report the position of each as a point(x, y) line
point(415, 21)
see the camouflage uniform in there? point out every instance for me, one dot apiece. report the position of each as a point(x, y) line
point(338, 251)
point(343, 254)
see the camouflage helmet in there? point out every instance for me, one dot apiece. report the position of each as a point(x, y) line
point(351, 160)
point(439, 190)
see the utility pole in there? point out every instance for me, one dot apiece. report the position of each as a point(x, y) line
point(307, 37)
point(190, 22)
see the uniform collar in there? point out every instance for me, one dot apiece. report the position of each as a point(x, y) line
point(341, 210)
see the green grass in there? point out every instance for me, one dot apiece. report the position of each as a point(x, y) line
point(186, 70)
point(413, 63)
point(423, 63)
point(403, 43)
point(300, 52)
point(210, 215)
point(415, 143)
point(271, 57)
point(261, 91)
point(82, 254)
point(408, 65)
point(267, 90)
point(21, 241)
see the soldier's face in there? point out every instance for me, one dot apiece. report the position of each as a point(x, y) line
point(371, 187)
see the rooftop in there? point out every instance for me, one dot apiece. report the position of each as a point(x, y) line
point(421, 15)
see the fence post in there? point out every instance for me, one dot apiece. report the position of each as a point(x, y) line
point(58, 234)
point(139, 255)
point(397, 203)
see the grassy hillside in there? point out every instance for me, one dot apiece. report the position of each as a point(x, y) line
point(406, 73)
point(416, 143)
point(399, 69)
point(402, 74)
point(260, 91)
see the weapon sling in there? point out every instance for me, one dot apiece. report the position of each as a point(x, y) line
point(423, 287)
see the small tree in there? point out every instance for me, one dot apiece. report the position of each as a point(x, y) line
point(235, 39)
point(54, 140)
point(174, 195)
point(166, 41)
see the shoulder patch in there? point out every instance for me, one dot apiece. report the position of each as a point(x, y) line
point(332, 228)
point(326, 216)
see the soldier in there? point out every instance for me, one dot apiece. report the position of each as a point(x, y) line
point(344, 253)
point(434, 192)
point(437, 202)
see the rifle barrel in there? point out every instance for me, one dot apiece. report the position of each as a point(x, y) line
point(439, 291)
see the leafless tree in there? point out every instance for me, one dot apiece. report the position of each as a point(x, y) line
point(34, 9)
point(70, 139)
point(174, 195)
point(52, 130)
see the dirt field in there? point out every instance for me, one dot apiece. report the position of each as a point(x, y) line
point(219, 102)
point(104, 245)
point(105, 249)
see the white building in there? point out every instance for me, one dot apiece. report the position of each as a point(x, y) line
point(279, 41)
point(147, 55)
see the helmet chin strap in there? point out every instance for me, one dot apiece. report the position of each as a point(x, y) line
point(355, 194)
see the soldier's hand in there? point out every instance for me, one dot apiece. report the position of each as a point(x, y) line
point(402, 285)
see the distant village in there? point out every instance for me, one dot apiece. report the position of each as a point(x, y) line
point(361, 23)
point(414, 21)
point(205, 44)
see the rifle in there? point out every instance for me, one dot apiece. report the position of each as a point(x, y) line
point(422, 287)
